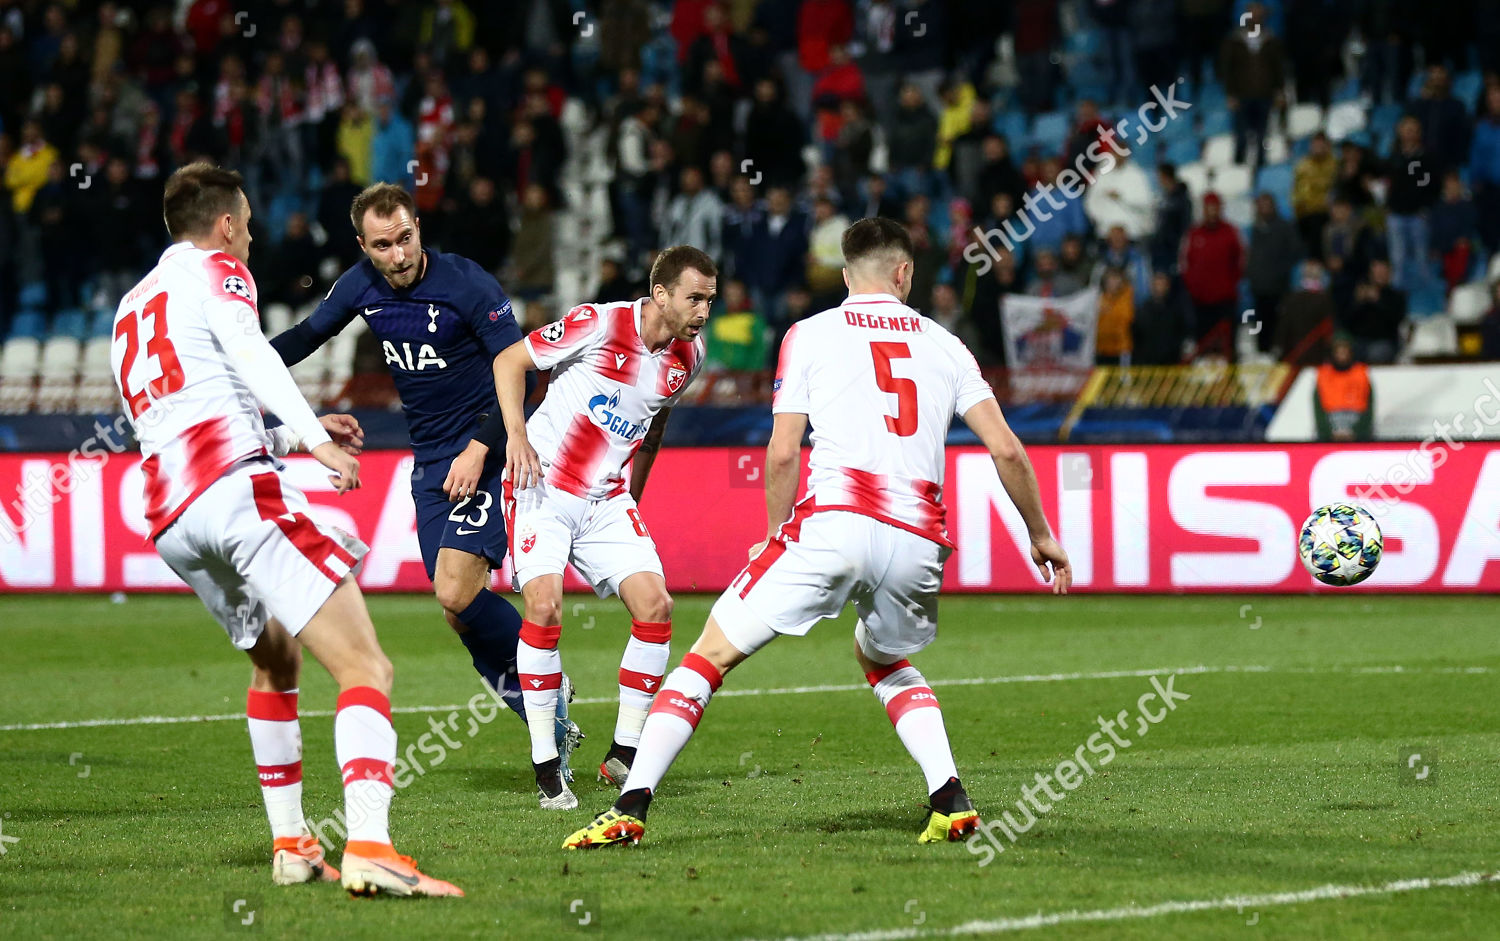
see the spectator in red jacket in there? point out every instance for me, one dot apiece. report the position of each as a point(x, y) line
point(821, 25)
point(687, 24)
point(1212, 263)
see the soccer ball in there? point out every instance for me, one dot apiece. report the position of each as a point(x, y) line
point(1340, 544)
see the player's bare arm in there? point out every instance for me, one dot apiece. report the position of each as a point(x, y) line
point(640, 465)
point(1016, 475)
point(522, 465)
point(783, 467)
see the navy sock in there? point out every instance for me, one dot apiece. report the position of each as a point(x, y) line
point(494, 627)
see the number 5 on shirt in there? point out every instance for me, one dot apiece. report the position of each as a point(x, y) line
point(904, 423)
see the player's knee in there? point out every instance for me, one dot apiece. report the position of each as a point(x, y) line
point(454, 596)
point(657, 607)
point(459, 627)
point(382, 672)
point(544, 611)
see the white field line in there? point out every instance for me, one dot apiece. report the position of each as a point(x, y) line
point(781, 691)
point(1240, 903)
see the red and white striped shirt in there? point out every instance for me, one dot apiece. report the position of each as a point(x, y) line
point(606, 387)
point(880, 385)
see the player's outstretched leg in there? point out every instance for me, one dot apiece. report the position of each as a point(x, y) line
point(276, 739)
point(672, 721)
point(487, 624)
point(641, 668)
point(490, 628)
point(342, 638)
point(540, 668)
point(913, 709)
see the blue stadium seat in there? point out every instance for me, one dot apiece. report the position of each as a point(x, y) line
point(1049, 131)
point(1184, 150)
point(1383, 118)
point(32, 294)
point(1086, 42)
point(1277, 180)
point(29, 322)
point(1217, 122)
point(1013, 125)
point(102, 323)
point(1300, 148)
point(1209, 98)
point(1466, 87)
point(1348, 90)
point(70, 322)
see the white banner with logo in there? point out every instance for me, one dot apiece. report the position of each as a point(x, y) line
point(1050, 332)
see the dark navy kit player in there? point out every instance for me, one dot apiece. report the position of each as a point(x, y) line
point(441, 321)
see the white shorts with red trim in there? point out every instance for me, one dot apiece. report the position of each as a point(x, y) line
point(606, 540)
point(249, 550)
point(823, 559)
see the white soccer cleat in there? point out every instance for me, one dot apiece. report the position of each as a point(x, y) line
point(297, 860)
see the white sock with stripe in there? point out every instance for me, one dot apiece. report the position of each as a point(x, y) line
point(913, 709)
point(673, 719)
point(365, 742)
point(276, 740)
point(641, 670)
point(539, 667)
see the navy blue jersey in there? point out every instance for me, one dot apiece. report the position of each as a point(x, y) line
point(439, 337)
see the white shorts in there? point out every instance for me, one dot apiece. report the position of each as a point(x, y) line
point(249, 550)
point(821, 560)
point(606, 540)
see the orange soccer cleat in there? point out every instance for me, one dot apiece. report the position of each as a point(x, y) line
point(371, 868)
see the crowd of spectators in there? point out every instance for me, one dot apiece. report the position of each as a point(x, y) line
point(757, 130)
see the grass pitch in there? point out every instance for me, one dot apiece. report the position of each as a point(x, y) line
point(795, 813)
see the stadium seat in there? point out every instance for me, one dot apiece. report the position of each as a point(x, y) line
point(1303, 121)
point(1183, 150)
point(1277, 150)
point(70, 323)
point(1466, 86)
point(102, 323)
point(1195, 176)
point(1383, 118)
point(95, 362)
point(1347, 90)
point(1049, 132)
point(1426, 302)
point(1218, 151)
point(32, 294)
point(1493, 274)
point(29, 323)
point(1433, 336)
point(1216, 122)
point(1012, 124)
point(1277, 180)
point(1469, 302)
point(275, 318)
point(1231, 181)
point(20, 358)
point(1345, 119)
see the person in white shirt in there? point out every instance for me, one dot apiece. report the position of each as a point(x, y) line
point(195, 374)
point(879, 385)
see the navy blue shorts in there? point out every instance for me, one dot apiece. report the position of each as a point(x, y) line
point(474, 525)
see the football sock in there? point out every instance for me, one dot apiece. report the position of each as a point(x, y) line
point(674, 717)
point(494, 627)
point(365, 742)
point(914, 711)
point(540, 669)
point(641, 669)
point(276, 740)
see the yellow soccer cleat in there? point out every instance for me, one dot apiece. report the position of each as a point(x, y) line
point(609, 827)
point(949, 827)
point(953, 815)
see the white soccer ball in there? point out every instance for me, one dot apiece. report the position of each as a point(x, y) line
point(1340, 544)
